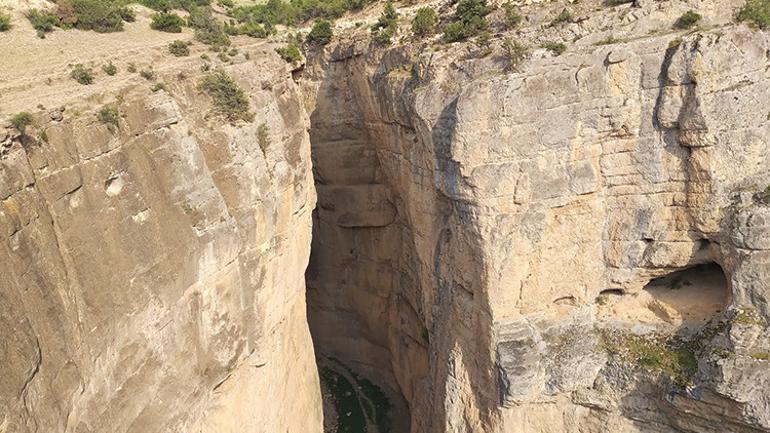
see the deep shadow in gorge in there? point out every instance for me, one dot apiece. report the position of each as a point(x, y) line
point(356, 309)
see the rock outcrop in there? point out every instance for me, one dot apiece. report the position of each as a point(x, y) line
point(490, 244)
point(153, 270)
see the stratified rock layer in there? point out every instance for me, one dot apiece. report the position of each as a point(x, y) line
point(475, 227)
point(152, 273)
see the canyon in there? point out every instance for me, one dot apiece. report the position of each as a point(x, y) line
point(424, 237)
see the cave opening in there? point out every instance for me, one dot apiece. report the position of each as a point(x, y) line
point(691, 296)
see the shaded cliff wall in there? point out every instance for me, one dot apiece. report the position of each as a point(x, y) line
point(152, 274)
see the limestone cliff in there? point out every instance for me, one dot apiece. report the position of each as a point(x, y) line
point(153, 265)
point(575, 245)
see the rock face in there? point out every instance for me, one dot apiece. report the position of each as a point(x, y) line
point(152, 273)
point(488, 244)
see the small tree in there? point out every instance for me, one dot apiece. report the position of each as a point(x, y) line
point(757, 13)
point(321, 33)
point(424, 22)
point(469, 20)
point(387, 25)
point(229, 99)
point(514, 53)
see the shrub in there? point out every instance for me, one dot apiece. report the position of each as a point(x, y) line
point(207, 29)
point(158, 87)
point(387, 25)
point(82, 75)
point(131, 68)
point(687, 20)
point(757, 13)
point(5, 22)
point(110, 116)
point(147, 74)
point(42, 21)
point(555, 47)
point(290, 53)
point(563, 17)
point(101, 16)
point(179, 48)
point(514, 53)
point(512, 17)
point(424, 22)
point(21, 121)
point(617, 2)
point(230, 100)
point(469, 20)
point(127, 14)
point(321, 33)
point(167, 22)
point(263, 136)
point(109, 69)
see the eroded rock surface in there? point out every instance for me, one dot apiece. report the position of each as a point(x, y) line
point(153, 272)
point(525, 202)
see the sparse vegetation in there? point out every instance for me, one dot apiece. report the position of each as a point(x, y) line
point(321, 33)
point(469, 20)
point(424, 22)
point(557, 48)
point(687, 20)
point(167, 22)
point(82, 74)
point(230, 100)
point(564, 16)
point(109, 68)
point(5, 21)
point(387, 25)
point(263, 136)
point(42, 21)
point(757, 13)
point(290, 53)
point(21, 121)
point(110, 116)
point(512, 16)
point(425, 335)
point(131, 68)
point(617, 2)
point(158, 87)
point(761, 356)
point(748, 317)
point(609, 40)
point(514, 53)
point(179, 48)
point(763, 197)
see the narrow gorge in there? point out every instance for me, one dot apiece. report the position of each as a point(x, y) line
point(420, 237)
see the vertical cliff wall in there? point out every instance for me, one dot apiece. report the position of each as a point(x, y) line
point(567, 246)
point(153, 271)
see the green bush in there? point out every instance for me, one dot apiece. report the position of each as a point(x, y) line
point(514, 53)
point(21, 121)
point(424, 22)
point(687, 20)
point(110, 116)
point(469, 20)
point(290, 53)
point(42, 21)
point(127, 14)
point(82, 75)
point(321, 33)
point(102, 16)
point(166, 5)
point(757, 13)
point(512, 16)
point(555, 47)
point(563, 17)
point(5, 22)
point(207, 29)
point(109, 69)
point(179, 48)
point(230, 100)
point(167, 22)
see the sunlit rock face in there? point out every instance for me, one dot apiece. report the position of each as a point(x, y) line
point(153, 270)
point(573, 245)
